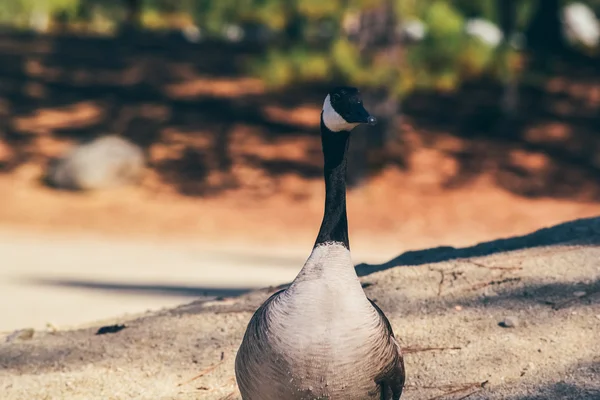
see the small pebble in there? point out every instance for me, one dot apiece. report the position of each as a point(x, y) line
point(529, 367)
point(580, 293)
point(510, 322)
point(110, 329)
point(458, 308)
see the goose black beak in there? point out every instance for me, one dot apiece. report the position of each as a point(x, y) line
point(362, 116)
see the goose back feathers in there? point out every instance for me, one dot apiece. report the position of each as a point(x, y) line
point(322, 338)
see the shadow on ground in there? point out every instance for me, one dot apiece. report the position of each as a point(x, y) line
point(559, 240)
point(583, 231)
point(562, 238)
point(142, 289)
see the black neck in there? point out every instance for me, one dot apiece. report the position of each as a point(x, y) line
point(334, 227)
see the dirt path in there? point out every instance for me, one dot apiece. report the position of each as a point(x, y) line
point(67, 280)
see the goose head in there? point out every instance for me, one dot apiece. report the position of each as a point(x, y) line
point(343, 110)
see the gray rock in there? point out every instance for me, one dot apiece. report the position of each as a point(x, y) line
point(106, 162)
point(510, 322)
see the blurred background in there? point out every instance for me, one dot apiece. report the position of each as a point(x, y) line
point(153, 151)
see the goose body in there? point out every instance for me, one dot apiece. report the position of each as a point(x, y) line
point(322, 338)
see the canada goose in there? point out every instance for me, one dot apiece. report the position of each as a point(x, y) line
point(322, 338)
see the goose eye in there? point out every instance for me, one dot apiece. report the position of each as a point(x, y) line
point(336, 97)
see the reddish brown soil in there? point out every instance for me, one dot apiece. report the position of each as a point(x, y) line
point(404, 209)
point(229, 160)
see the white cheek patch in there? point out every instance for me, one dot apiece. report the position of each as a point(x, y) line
point(334, 121)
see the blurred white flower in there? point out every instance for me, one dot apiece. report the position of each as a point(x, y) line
point(351, 23)
point(192, 33)
point(413, 30)
point(580, 24)
point(39, 21)
point(484, 30)
point(234, 33)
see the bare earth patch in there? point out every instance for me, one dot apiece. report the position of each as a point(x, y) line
point(449, 307)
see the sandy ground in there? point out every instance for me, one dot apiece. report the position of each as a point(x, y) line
point(449, 299)
point(65, 280)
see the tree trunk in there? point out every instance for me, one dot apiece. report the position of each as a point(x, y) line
point(544, 34)
point(133, 13)
point(507, 10)
point(376, 37)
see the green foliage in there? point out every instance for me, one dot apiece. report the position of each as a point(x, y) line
point(20, 12)
point(478, 8)
point(445, 58)
point(525, 9)
point(447, 55)
point(214, 15)
point(281, 68)
point(316, 9)
point(301, 52)
point(443, 20)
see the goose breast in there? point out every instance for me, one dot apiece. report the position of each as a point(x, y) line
point(319, 339)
